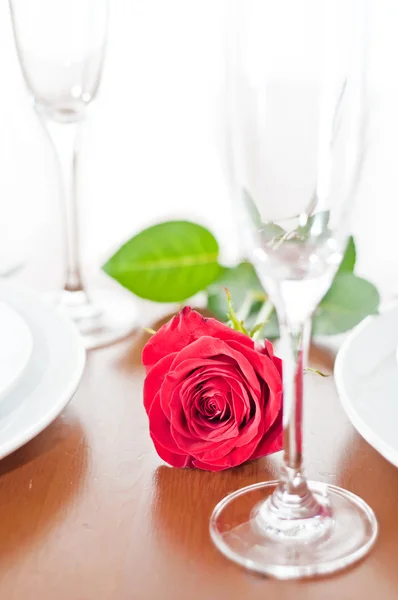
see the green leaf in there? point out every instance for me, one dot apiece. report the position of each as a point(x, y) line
point(319, 221)
point(348, 263)
point(168, 262)
point(349, 300)
point(252, 209)
point(243, 283)
point(240, 281)
point(271, 232)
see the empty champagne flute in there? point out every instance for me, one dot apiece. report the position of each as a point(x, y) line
point(295, 108)
point(61, 47)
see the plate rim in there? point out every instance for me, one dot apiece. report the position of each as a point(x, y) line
point(28, 353)
point(355, 419)
point(63, 398)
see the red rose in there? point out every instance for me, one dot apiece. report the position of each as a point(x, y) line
point(213, 396)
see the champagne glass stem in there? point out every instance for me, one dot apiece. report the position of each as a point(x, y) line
point(293, 511)
point(296, 341)
point(65, 139)
point(102, 318)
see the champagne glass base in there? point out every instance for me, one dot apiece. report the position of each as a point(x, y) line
point(103, 317)
point(237, 531)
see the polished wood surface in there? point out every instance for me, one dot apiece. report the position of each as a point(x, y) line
point(89, 512)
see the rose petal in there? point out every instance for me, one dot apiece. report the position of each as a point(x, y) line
point(207, 347)
point(200, 446)
point(236, 457)
point(241, 400)
point(199, 437)
point(215, 452)
point(163, 440)
point(190, 423)
point(154, 379)
point(186, 327)
point(278, 363)
point(178, 375)
point(214, 398)
point(272, 441)
point(267, 348)
point(181, 402)
point(217, 433)
point(269, 373)
point(173, 459)
point(192, 372)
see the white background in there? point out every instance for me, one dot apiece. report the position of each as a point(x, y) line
point(151, 144)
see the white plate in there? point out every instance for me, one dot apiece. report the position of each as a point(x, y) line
point(51, 376)
point(15, 347)
point(366, 376)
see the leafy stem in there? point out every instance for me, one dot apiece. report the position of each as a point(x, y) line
point(232, 317)
point(262, 319)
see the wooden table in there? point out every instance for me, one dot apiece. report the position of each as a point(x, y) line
point(89, 512)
